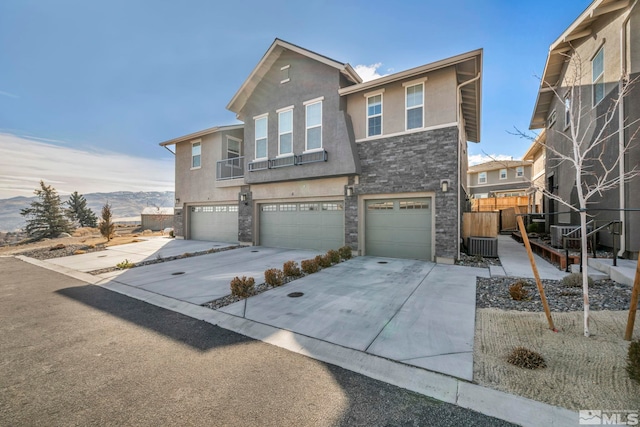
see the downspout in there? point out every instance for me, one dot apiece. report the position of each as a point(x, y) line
point(459, 118)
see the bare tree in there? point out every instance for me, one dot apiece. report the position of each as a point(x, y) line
point(587, 138)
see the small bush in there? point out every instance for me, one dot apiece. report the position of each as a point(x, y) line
point(172, 234)
point(57, 247)
point(525, 358)
point(242, 287)
point(517, 291)
point(323, 261)
point(333, 255)
point(310, 266)
point(187, 255)
point(345, 252)
point(633, 361)
point(125, 264)
point(574, 280)
point(79, 252)
point(274, 277)
point(291, 269)
point(535, 227)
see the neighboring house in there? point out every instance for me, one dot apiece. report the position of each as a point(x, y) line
point(605, 41)
point(156, 218)
point(499, 178)
point(537, 155)
point(327, 160)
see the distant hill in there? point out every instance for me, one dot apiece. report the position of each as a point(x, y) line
point(123, 204)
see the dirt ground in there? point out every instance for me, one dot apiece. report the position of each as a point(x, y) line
point(581, 373)
point(85, 236)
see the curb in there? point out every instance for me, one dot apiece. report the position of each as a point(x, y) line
point(494, 403)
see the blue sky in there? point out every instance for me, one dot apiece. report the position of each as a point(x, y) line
point(115, 78)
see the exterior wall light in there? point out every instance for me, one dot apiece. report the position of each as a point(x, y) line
point(243, 197)
point(177, 201)
point(444, 185)
point(349, 191)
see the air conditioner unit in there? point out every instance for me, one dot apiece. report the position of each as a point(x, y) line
point(557, 231)
point(483, 246)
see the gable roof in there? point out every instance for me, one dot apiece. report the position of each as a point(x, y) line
point(537, 146)
point(269, 58)
point(468, 70)
point(580, 28)
point(201, 133)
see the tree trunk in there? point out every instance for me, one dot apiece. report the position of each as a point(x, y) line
point(585, 269)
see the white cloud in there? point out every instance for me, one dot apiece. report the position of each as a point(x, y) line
point(369, 72)
point(24, 162)
point(476, 159)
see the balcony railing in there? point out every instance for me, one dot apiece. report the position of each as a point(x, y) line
point(230, 168)
point(280, 162)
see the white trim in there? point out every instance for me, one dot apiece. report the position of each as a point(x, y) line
point(599, 77)
point(493, 184)
point(406, 109)
point(283, 111)
point(313, 101)
point(367, 117)
point(285, 67)
point(280, 110)
point(282, 156)
point(506, 174)
point(287, 80)
point(415, 82)
point(255, 137)
point(306, 127)
point(538, 175)
point(485, 177)
point(373, 93)
point(523, 171)
point(567, 112)
point(313, 150)
point(199, 142)
point(260, 116)
point(234, 138)
point(410, 131)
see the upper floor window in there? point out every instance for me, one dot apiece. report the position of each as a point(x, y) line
point(195, 155)
point(284, 74)
point(552, 119)
point(314, 125)
point(414, 104)
point(597, 74)
point(482, 178)
point(567, 110)
point(261, 137)
point(233, 147)
point(503, 174)
point(520, 171)
point(374, 115)
point(285, 132)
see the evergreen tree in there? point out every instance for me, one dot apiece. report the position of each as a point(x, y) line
point(45, 217)
point(79, 213)
point(107, 227)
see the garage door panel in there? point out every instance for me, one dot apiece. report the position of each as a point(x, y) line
point(207, 224)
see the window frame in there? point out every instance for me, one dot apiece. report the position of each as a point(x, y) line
point(567, 110)
point(196, 143)
point(597, 81)
point(286, 110)
point(519, 171)
point(308, 104)
point(505, 174)
point(482, 175)
point(372, 116)
point(235, 140)
point(413, 107)
point(256, 119)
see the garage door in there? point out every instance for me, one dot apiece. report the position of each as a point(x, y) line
point(216, 223)
point(314, 225)
point(398, 228)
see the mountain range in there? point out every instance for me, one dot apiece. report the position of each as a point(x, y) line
point(123, 204)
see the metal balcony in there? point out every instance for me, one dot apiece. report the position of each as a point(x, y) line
point(230, 168)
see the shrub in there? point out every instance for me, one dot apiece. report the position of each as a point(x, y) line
point(79, 252)
point(310, 266)
point(57, 247)
point(333, 255)
point(242, 287)
point(535, 227)
point(291, 269)
point(517, 291)
point(125, 264)
point(525, 358)
point(172, 234)
point(345, 252)
point(274, 277)
point(633, 361)
point(323, 261)
point(574, 280)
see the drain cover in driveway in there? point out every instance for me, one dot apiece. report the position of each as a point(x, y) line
point(295, 294)
point(382, 262)
point(177, 273)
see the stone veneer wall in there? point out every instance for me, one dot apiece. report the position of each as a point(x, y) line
point(411, 163)
point(178, 222)
point(245, 216)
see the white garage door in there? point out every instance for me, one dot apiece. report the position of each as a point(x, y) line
point(309, 225)
point(398, 228)
point(216, 223)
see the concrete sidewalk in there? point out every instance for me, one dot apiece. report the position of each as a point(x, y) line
point(515, 262)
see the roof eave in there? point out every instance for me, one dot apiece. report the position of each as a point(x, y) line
point(201, 133)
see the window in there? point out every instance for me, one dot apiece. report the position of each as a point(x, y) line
point(503, 174)
point(309, 206)
point(288, 207)
point(374, 115)
point(414, 205)
point(520, 171)
point(269, 208)
point(285, 132)
point(332, 206)
point(195, 155)
point(261, 137)
point(482, 178)
point(284, 71)
point(233, 209)
point(414, 106)
point(221, 209)
point(552, 119)
point(233, 148)
point(380, 206)
point(567, 110)
point(314, 125)
point(597, 74)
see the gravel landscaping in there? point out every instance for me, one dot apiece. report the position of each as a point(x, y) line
point(58, 251)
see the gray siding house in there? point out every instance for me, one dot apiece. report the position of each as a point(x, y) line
point(327, 160)
point(602, 48)
point(499, 178)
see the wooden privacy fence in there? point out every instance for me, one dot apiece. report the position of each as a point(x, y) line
point(480, 224)
point(508, 219)
point(498, 203)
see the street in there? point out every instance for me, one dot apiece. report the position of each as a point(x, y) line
point(77, 354)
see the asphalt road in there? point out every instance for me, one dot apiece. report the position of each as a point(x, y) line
point(76, 354)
